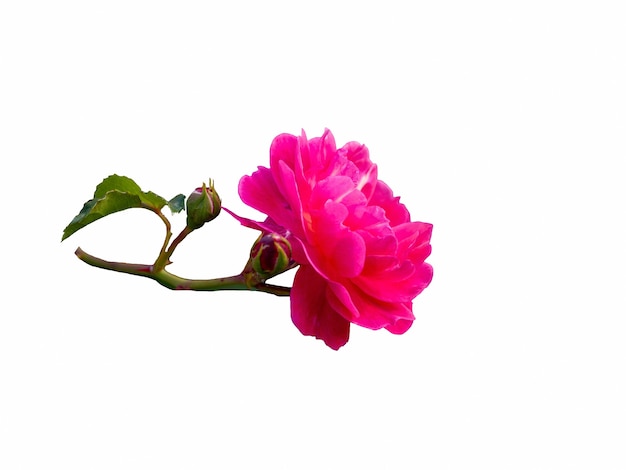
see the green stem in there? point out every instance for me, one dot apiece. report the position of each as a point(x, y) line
point(171, 281)
point(163, 258)
point(181, 236)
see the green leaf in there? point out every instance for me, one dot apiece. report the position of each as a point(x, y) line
point(117, 183)
point(94, 209)
point(115, 193)
point(126, 185)
point(153, 200)
point(177, 203)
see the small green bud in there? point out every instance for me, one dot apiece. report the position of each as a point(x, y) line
point(203, 205)
point(270, 255)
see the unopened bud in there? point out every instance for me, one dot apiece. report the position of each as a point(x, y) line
point(270, 255)
point(203, 205)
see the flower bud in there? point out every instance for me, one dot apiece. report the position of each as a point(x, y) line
point(203, 205)
point(270, 255)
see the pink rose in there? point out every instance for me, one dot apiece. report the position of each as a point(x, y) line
point(361, 258)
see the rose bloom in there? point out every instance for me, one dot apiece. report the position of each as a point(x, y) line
point(361, 257)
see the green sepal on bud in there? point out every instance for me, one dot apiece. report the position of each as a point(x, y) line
point(270, 255)
point(203, 205)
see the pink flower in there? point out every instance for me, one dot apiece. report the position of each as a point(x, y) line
point(361, 258)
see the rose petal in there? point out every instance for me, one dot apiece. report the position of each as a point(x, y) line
point(401, 325)
point(311, 312)
point(260, 192)
point(373, 313)
point(368, 172)
point(395, 211)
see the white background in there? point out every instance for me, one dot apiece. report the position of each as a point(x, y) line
point(502, 123)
